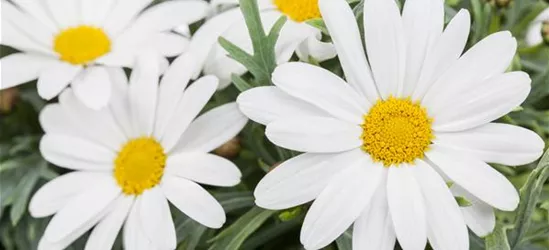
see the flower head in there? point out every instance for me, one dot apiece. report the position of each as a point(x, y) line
point(73, 42)
point(380, 147)
point(130, 158)
point(538, 30)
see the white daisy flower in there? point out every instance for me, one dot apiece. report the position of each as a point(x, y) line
point(72, 41)
point(534, 33)
point(379, 147)
point(130, 158)
point(295, 36)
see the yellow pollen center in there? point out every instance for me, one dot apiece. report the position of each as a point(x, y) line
point(81, 44)
point(139, 165)
point(396, 131)
point(299, 10)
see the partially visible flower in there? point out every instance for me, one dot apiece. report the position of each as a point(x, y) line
point(66, 42)
point(130, 158)
point(380, 147)
point(534, 35)
point(295, 36)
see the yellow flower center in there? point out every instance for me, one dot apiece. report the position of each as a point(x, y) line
point(299, 10)
point(396, 131)
point(139, 165)
point(81, 44)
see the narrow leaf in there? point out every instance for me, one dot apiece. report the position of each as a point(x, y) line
point(497, 240)
point(530, 194)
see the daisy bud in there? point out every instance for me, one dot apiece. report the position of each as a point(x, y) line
point(230, 149)
point(500, 3)
point(8, 97)
point(545, 32)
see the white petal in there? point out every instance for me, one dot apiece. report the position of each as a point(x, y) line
point(20, 68)
point(496, 143)
point(340, 203)
point(27, 26)
point(94, 12)
point(105, 128)
point(205, 38)
point(477, 177)
point(212, 129)
point(194, 201)
point(385, 44)
point(55, 194)
point(119, 105)
point(55, 120)
point(346, 36)
point(314, 134)
point(204, 168)
point(445, 225)
point(168, 44)
point(105, 232)
point(143, 93)
point(374, 228)
point(168, 15)
point(533, 35)
point(134, 236)
point(480, 217)
point(488, 58)
point(172, 84)
point(406, 206)
point(156, 218)
point(267, 104)
point(75, 153)
point(122, 13)
point(192, 102)
point(444, 52)
point(317, 49)
point(37, 10)
point(486, 102)
point(66, 13)
point(82, 209)
point(55, 78)
point(14, 37)
point(423, 21)
point(301, 179)
point(93, 87)
point(321, 88)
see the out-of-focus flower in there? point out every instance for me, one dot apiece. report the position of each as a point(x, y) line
point(74, 42)
point(130, 158)
point(534, 35)
point(296, 35)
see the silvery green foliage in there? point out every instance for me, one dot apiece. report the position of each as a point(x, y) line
point(23, 171)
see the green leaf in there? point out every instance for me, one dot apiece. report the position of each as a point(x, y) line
point(345, 241)
point(234, 236)
point(235, 200)
point(23, 192)
point(263, 61)
point(241, 84)
point(263, 237)
point(529, 194)
point(497, 240)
